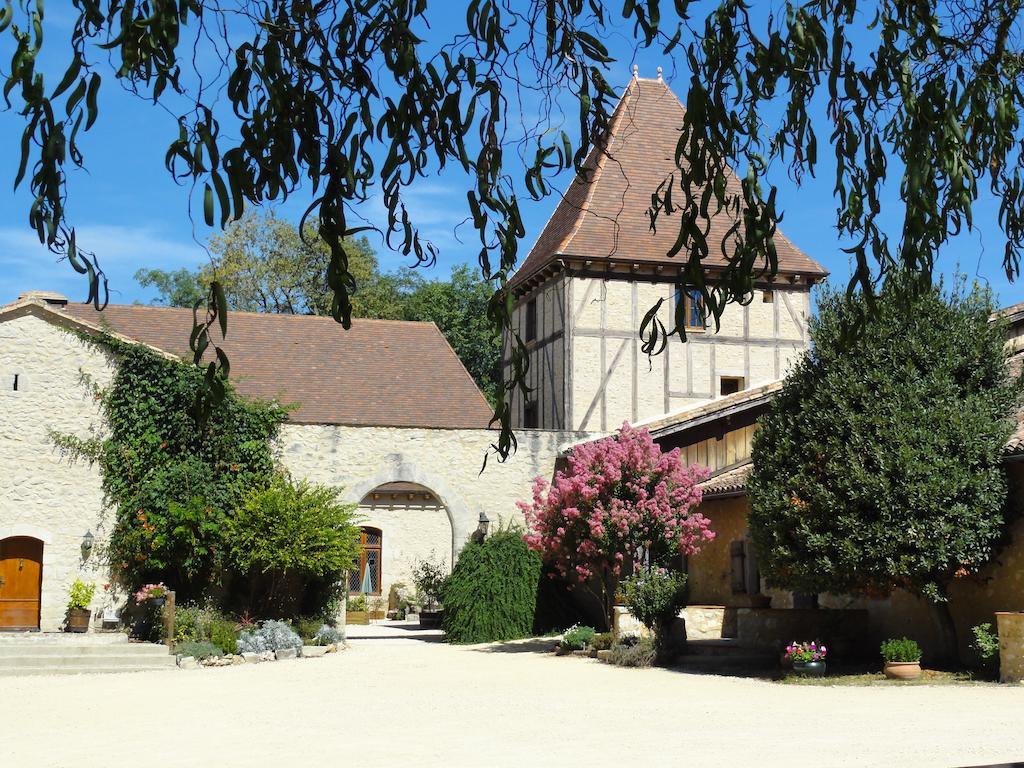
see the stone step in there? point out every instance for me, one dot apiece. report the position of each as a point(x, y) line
point(135, 650)
point(85, 669)
point(62, 638)
point(109, 661)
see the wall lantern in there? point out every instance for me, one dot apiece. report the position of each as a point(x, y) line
point(483, 524)
point(87, 543)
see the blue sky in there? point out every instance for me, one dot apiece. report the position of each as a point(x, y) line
point(128, 210)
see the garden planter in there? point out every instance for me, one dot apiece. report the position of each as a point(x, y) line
point(78, 620)
point(377, 615)
point(1011, 647)
point(357, 617)
point(809, 668)
point(431, 619)
point(902, 670)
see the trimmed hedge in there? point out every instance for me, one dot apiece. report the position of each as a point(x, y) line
point(492, 593)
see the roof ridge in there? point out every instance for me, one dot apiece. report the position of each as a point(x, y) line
point(253, 314)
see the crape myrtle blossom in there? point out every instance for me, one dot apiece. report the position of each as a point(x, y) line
point(619, 495)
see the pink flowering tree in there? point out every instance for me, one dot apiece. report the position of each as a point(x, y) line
point(621, 498)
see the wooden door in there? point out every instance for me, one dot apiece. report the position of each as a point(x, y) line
point(21, 580)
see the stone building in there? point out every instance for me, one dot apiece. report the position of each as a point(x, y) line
point(407, 448)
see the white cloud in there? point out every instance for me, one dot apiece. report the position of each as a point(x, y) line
point(120, 249)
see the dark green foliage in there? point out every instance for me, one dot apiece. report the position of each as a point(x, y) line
point(224, 634)
point(655, 596)
point(900, 649)
point(492, 592)
point(578, 638)
point(602, 641)
point(985, 645)
point(879, 464)
point(195, 624)
point(172, 480)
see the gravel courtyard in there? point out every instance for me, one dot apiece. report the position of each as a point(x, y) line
point(402, 698)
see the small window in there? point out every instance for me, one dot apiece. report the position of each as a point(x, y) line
point(693, 308)
point(730, 385)
point(531, 320)
point(15, 382)
point(531, 415)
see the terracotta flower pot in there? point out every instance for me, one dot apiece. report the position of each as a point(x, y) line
point(903, 670)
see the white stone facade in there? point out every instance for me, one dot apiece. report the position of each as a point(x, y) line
point(55, 500)
point(43, 495)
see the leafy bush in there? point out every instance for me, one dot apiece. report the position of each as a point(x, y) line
point(289, 535)
point(198, 650)
point(880, 462)
point(224, 634)
point(357, 603)
point(270, 636)
point(578, 638)
point(655, 596)
point(80, 595)
point(985, 644)
point(492, 593)
point(901, 649)
point(602, 641)
point(430, 578)
point(639, 654)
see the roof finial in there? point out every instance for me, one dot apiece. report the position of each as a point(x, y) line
point(659, 74)
point(636, 71)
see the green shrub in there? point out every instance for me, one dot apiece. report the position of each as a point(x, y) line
point(492, 593)
point(290, 538)
point(307, 627)
point(602, 641)
point(901, 649)
point(985, 644)
point(655, 596)
point(430, 578)
point(224, 634)
point(80, 595)
point(636, 654)
point(357, 603)
point(199, 650)
point(578, 638)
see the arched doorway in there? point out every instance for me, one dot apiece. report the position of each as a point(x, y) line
point(404, 523)
point(21, 581)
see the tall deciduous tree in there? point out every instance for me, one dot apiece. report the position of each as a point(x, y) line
point(352, 100)
point(620, 498)
point(879, 465)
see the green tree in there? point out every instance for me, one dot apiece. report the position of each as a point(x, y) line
point(175, 288)
point(357, 101)
point(879, 464)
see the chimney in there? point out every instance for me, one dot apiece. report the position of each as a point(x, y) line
point(50, 298)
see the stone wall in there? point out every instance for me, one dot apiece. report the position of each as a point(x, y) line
point(42, 493)
point(446, 462)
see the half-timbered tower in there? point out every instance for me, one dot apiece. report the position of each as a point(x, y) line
point(597, 267)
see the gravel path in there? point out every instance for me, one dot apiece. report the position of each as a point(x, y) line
point(402, 698)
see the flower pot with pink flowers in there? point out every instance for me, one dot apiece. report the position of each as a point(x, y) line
point(807, 658)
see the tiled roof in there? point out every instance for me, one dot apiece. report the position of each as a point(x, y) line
point(378, 373)
point(728, 482)
point(713, 409)
point(603, 215)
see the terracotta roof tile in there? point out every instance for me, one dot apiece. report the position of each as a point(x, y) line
point(603, 214)
point(378, 373)
point(730, 481)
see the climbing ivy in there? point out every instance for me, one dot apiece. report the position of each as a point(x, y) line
point(172, 479)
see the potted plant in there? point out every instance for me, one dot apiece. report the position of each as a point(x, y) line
point(902, 658)
point(430, 578)
point(154, 594)
point(375, 606)
point(355, 610)
point(149, 599)
point(79, 599)
point(808, 659)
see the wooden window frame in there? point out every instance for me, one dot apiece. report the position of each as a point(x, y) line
point(688, 297)
point(531, 413)
point(364, 548)
point(740, 381)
